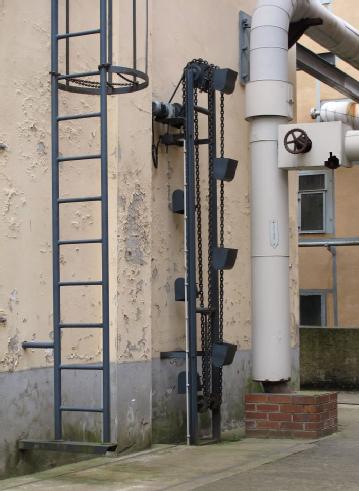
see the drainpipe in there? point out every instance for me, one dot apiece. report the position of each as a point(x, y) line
point(269, 103)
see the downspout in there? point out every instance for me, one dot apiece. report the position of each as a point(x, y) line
point(269, 103)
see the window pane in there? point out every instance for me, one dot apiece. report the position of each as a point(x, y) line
point(312, 207)
point(311, 182)
point(311, 310)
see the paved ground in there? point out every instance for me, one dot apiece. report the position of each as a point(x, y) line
point(249, 465)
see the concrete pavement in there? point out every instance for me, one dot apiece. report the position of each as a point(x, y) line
point(331, 463)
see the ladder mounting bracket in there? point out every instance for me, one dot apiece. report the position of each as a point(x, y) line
point(68, 446)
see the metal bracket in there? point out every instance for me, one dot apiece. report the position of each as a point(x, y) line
point(245, 21)
point(68, 446)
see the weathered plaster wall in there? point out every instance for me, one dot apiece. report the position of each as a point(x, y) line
point(25, 231)
point(146, 239)
point(316, 265)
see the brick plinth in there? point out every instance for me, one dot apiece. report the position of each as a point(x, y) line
point(295, 415)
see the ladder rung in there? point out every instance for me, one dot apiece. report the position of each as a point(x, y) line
point(81, 409)
point(81, 367)
point(77, 34)
point(78, 75)
point(83, 199)
point(80, 283)
point(80, 241)
point(78, 116)
point(80, 326)
point(78, 157)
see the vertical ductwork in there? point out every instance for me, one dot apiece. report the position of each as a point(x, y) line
point(269, 103)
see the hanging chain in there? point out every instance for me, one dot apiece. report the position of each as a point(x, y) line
point(221, 242)
point(206, 360)
point(211, 400)
point(211, 235)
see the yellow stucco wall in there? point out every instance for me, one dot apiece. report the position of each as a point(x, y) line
point(146, 246)
point(315, 266)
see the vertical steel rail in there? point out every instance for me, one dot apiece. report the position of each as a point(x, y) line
point(110, 37)
point(134, 34)
point(55, 218)
point(191, 257)
point(106, 434)
point(67, 40)
point(188, 435)
point(213, 233)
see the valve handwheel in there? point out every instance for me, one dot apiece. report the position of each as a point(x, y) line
point(297, 141)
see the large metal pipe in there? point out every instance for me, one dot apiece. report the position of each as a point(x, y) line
point(269, 196)
point(346, 111)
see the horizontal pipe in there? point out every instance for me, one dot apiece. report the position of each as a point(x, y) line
point(37, 344)
point(345, 241)
point(78, 34)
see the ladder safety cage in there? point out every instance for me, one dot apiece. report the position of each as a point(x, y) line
point(99, 81)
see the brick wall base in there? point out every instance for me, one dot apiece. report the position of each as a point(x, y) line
point(296, 415)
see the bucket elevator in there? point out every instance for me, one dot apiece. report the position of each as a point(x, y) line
point(204, 302)
point(105, 79)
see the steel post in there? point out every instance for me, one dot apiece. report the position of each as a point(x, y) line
point(106, 436)
point(55, 217)
point(191, 256)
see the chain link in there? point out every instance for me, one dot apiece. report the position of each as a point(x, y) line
point(211, 235)
point(221, 241)
point(96, 85)
point(211, 400)
point(206, 360)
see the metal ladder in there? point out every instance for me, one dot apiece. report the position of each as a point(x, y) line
point(103, 86)
point(57, 201)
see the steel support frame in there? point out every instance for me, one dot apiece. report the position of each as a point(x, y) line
point(191, 267)
point(191, 287)
point(327, 73)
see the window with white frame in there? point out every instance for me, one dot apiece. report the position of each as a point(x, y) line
point(313, 308)
point(315, 200)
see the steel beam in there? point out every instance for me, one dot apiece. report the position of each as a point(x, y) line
point(320, 69)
